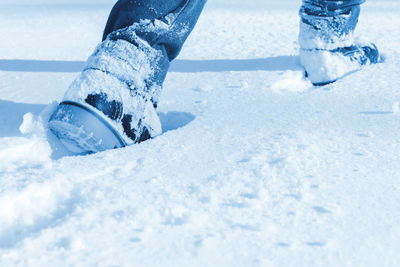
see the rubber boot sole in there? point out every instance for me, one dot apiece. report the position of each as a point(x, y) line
point(82, 130)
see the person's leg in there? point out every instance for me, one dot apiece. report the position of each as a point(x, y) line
point(113, 101)
point(164, 25)
point(327, 47)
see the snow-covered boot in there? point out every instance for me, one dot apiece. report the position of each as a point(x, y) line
point(328, 50)
point(112, 103)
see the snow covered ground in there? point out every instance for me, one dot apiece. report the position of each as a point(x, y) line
point(255, 167)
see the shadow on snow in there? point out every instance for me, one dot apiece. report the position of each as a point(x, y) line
point(279, 63)
point(11, 118)
point(11, 113)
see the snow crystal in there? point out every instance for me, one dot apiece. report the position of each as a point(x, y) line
point(396, 107)
point(292, 81)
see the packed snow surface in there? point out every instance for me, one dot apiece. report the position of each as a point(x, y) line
point(255, 166)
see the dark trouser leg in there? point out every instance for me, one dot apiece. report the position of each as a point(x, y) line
point(163, 25)
point(327, 23)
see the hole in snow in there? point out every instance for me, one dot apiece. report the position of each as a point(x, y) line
point(174, 120)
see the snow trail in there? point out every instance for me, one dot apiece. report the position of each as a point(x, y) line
point(255, 167)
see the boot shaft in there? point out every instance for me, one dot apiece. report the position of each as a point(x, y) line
point(328, 24)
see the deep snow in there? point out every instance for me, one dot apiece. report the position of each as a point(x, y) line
point(255, 167)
